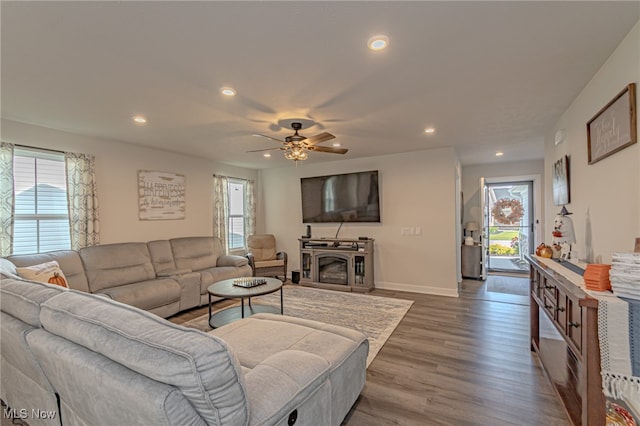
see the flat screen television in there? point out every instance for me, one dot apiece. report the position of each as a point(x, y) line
point(349, 197)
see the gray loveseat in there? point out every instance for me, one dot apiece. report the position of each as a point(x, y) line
point(163, 276)
point(91, 360)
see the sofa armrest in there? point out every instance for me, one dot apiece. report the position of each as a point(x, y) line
point(232, 260)
point(282, 383)
point(172, 272)
point(252, 263)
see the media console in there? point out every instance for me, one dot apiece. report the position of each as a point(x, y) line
point(337, 264)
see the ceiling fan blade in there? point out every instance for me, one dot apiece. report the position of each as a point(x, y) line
point(329, 149)
point(267, 149)
point(268, 137)
point(320, 137)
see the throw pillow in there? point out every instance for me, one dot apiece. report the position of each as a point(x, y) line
point(48, 272)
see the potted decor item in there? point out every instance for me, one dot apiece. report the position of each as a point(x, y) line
point(545, 251)
point(563, 234)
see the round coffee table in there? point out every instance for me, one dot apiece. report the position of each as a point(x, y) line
point(227, 290)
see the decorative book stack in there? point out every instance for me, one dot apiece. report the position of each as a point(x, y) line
point(596, 277)
point(625, 275)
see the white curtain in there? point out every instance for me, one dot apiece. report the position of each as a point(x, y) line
point(221, 209)
point(82, 197)
point(7, 197)
point(250, 210)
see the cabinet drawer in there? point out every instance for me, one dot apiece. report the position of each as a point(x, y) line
point(550, 291)
point(561, 311)
point(574, 322)
point(549, 306)
point(538, 284)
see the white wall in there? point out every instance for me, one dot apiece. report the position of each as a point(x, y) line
point(117, 166)
point(417, 189)
point(605, 196)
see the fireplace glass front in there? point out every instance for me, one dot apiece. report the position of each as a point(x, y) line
point(333, 269)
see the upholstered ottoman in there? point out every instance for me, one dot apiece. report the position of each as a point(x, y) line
point(345, 351)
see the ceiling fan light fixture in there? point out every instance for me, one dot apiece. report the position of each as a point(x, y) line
point(378, 42)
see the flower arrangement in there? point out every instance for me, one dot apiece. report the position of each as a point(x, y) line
point(507, 211)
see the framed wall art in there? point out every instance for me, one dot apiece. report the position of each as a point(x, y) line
point(161, 195)
point(561, 190)
point(613, 128)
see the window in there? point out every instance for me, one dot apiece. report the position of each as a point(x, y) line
point(41, 210)
point(236, 230)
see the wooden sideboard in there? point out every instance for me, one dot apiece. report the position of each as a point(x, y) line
point(564, 334)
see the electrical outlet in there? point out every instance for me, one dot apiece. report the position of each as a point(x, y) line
point(406, 231)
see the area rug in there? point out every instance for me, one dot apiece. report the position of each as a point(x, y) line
point(509, 285)
point(376, 317)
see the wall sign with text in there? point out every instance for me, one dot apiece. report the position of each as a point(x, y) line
point(161, 195)
point(614, 127)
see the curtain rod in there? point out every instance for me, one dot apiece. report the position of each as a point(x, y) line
point(232, 177)
point(35, 147)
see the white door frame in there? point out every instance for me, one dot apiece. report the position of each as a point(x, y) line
point(538, 218)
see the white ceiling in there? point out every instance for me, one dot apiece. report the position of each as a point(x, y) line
point(487, 75)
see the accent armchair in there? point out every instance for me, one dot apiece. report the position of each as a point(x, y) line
point(264, 260)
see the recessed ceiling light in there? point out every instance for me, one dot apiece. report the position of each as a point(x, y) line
point(139, 119)
point(228, 91)
point(378, 42)
point(337, 144)
point(429, 130)
point(499, 153)
point(266, 155)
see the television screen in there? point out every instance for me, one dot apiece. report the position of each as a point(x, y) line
point(350, 197)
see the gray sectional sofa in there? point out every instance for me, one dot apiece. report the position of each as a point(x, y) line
point(91, 360)
point(163, 277)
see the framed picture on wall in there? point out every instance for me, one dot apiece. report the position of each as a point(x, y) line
point(561, 189)
point(613, 128)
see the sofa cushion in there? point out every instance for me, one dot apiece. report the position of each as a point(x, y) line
point(22, 299)
point(146, 295)
point(161, 256)
point(68, 260)
point(7, 269)
point(212, 275)
point(264, 335)
point(95, 390)
point(262, 247)
point(48, 272)
point(112, 265)
point(261, 336)
point(196, 253)
point(201, 366)
point(24, 384)
point(269, 264)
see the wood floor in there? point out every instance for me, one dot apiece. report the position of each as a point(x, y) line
point(455, 361)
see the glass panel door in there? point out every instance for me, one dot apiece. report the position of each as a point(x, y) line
point(508, 225)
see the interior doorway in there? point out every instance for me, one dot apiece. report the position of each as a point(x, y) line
point(507, 225)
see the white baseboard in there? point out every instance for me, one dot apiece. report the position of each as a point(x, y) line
point(437, 291)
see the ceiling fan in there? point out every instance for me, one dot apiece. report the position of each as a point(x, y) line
point(296, 147)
